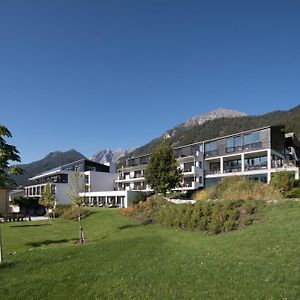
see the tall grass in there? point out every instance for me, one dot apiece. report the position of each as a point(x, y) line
point(237, 188)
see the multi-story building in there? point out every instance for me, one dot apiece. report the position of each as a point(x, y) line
point(254, 153)
point(190, 159)
point(98, 177)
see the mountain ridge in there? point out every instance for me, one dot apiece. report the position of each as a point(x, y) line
point(202, 118)
point(179, 135)
point(51, 160)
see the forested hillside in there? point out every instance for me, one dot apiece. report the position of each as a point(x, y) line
point(224, 126)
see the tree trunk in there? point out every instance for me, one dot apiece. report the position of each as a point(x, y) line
point(81, 235)
point(1, 250)
point(49, 219)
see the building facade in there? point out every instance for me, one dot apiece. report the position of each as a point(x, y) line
point(97, 177)
point(254, 154)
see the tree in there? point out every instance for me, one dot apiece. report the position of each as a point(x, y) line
point(8, 153)
point(48, 199)
point(76, 185)
point(162, 172)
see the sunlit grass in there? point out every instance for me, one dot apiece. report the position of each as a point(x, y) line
point(124, 259)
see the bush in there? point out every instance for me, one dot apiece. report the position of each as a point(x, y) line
point(72, 213)
point(146, 211)
point(202, 195)
point(60, 209)
point(211, 217)
point(295, 193)
point(283, 182)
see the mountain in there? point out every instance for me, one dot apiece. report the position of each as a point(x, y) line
point(52, 160)
point(220, 123)
point(108, 155)
point(202, 118)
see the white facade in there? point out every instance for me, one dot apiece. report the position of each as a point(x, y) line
point(94, 181)
point(121, 199)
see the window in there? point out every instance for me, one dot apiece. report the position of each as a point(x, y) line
point(232, 165)
point(211, 148)
point(187, 167)
point(252, 138)
point(254, 163)
point(233, 144)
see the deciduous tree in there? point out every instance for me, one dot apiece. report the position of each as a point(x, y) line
point(162, 172)
point(76, 185)
point(48, 199)
point(8, 153)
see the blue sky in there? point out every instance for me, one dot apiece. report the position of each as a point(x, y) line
point(107, 74)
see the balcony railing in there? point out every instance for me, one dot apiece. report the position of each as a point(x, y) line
point(256, 167)
point(234, 149)
point(252, 146)
point(212, 172)
point(279, 163)
point(247, 147)
point(232, 170)
point(211, 153)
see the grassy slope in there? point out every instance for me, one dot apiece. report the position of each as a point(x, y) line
point(125, 259)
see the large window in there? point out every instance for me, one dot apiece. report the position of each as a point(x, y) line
point(211, 148)
point(232, 165)
point(233, 144)
point(254, 163)
point(252, 138)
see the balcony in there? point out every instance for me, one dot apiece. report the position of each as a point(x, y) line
point(211, 153)
point(253, 146)
point(138, 175)
point(234, 149)
point(279, 163)
point(232, 170)
point(256, 167)
point(212, 172)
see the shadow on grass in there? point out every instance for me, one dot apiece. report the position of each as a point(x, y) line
point(119, 228)
point(130, 226)
point(30, 225)
point(7, 265)
point(48, 242)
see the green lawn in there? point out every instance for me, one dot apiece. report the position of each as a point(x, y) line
point(124, 259)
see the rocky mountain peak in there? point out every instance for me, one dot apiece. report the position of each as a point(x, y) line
point(202, 118)
point(215, 114)
point(107, 155)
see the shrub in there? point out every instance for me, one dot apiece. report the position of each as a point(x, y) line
point(72, 213)
point(60, 209)
point(201, 195)
point(213, 217)
point(146, 211)
point(295, 193)
point(283, 182)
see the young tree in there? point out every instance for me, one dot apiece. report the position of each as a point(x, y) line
point(8, 153)
point(76, 185)
point(48, 200)
point(162, 172)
